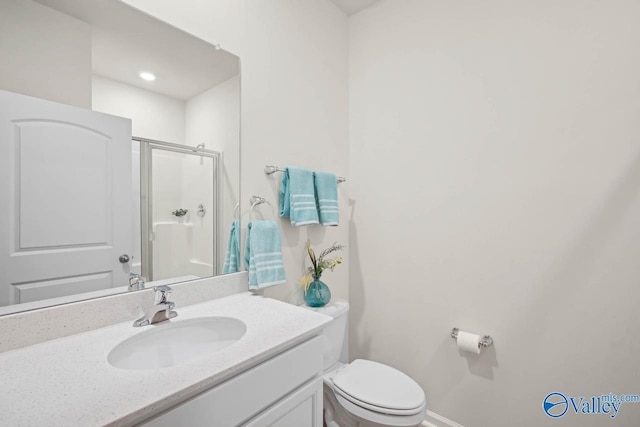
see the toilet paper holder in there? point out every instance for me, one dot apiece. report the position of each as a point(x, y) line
point(485, 342)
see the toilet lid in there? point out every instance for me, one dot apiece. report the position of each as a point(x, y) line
point(379, 385)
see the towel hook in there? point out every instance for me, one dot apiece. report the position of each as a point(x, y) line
point(257, 200)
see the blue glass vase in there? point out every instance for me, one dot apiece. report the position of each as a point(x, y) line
point(317, 293)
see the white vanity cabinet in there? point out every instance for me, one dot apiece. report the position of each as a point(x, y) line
point(284, 391)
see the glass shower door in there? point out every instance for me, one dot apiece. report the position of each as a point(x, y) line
point(180, 207)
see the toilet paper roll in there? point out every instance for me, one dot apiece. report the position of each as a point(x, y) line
point(468, 342)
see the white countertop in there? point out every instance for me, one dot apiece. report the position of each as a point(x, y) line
point(68, 381)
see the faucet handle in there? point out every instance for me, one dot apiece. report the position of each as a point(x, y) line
point(136, 282)
point(162, 294)
point(162, 310)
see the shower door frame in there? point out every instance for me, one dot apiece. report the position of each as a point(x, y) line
point(146, 197)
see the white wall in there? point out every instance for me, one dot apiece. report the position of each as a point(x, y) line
point(495, 167)
point(44, 53)
point(152, 115)
point(294, 101)
point(213, 118)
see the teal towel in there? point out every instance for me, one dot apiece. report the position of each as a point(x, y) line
point(263, 255)
point(297, 197)
point(327, 196)
point(232, 257)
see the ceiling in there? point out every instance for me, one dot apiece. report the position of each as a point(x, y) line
point(126, 41)
point(353, 6)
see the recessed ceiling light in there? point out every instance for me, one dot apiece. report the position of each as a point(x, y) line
point(147, 76)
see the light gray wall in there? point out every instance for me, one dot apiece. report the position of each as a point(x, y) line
point(153, 116)
point(44, 53)
point(294, 62)
point(495, 171)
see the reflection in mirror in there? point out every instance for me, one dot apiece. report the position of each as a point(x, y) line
point(119, 152)
point(180, 211)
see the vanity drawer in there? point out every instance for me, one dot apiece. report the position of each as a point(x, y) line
point(242, 397)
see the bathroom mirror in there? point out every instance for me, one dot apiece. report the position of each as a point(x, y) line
point(120, 166)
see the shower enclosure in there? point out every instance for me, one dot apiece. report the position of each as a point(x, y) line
point(179, 210)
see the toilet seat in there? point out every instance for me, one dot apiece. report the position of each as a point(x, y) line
point(379, 388)
point(378, 393)
point(378, 409)
point(380, 418)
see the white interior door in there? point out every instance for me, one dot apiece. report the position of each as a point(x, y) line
point(65, 199)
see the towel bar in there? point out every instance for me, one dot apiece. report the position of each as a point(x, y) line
point(270, 170)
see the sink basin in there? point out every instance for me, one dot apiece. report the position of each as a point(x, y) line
point(177, 342)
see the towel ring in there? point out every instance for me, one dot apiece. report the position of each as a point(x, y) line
point(257, 200)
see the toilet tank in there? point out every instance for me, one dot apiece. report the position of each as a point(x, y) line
point(335, 333)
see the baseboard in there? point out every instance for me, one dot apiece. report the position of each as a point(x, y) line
point(435, 420)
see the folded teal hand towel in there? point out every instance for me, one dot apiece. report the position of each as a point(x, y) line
point(297, 197)
point(327, 195)
point(263, 255)
point(232, 257)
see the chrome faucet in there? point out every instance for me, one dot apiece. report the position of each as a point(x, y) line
point(136, 282)
point(162, 308)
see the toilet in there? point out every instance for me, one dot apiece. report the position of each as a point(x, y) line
point(364, 393)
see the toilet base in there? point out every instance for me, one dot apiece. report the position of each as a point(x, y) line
point(334, 414)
